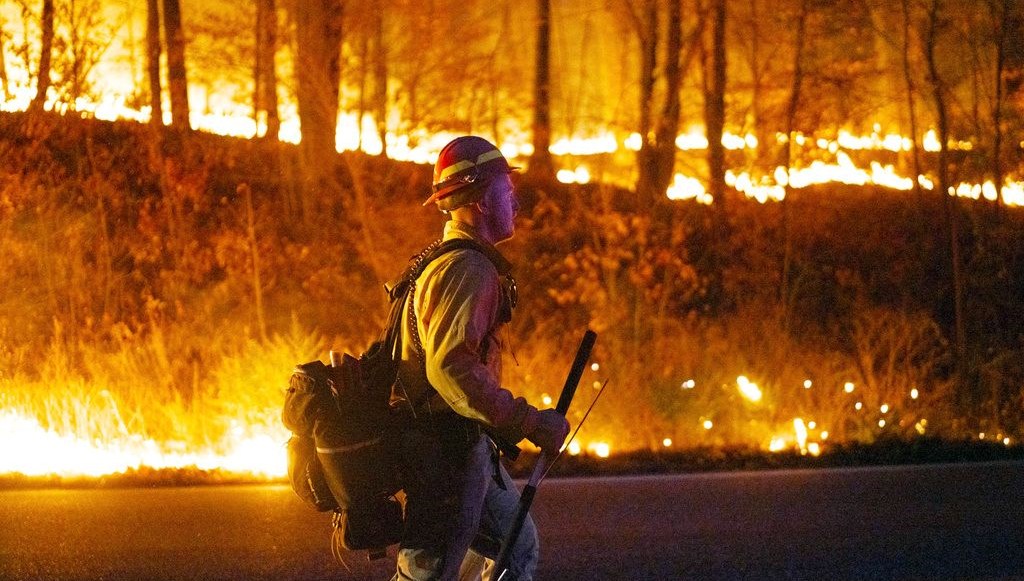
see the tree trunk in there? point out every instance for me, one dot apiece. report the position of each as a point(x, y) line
point(3, 69)
point(541, 164)
point(177, 80)
point(380, 78)
point(364, 75)
point(757, 78)
point(1000, 15)
point(254, 253)
point(647, 29)
point(318, 36)
point(153, 51)
point(668, 122)
point(266, 72)
point(714, 108)
point(791, 111)
point(911, 104)
point(950, 202)
point(45, 56)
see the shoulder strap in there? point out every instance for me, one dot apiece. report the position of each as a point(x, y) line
point(397, 288)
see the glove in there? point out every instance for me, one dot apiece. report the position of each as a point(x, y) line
point(550, 431)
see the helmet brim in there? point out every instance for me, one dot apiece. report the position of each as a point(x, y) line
point(454, 184)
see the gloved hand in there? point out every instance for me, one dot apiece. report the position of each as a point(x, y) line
point(551, 430)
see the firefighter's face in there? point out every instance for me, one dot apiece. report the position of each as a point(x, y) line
point(500, 205)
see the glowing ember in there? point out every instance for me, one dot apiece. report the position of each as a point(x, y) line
point(748, 389)
point(581, 175)
point(600, 449)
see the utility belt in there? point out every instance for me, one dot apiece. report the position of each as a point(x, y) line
point(455, 433)
point(426, 417)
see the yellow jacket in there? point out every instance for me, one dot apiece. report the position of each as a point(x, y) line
point(457, 303)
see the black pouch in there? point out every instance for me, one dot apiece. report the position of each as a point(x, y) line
point(307, 476)
point(372, 523)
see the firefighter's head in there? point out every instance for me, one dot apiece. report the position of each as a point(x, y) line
point(464, 169)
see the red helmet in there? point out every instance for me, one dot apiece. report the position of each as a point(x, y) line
point(462, 166)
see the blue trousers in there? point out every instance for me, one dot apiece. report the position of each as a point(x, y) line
point(484, 507)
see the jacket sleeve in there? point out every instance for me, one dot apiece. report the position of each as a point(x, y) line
point(457, 311)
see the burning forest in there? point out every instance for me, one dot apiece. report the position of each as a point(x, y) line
point(795, 224)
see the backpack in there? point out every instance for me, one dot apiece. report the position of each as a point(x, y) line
point(342, 455)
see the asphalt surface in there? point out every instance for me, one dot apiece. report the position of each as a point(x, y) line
point(948, 522)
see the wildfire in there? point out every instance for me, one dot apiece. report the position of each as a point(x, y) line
point(421, 147)
point(33, 450)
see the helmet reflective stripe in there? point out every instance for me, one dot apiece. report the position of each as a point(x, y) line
point(462, 169)
point(466, 164)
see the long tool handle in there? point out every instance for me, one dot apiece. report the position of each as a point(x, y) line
point(530, 490)
point(575, 372)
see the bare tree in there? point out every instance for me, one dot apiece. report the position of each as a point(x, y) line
point(365, 21)
point(380, 76)
point(908, 78)
point(318, 29)
point(265, 92)
point(153, 51)
point(45, 57)
point(646, 26)
point(714, 107)
point(950, 202)
point(540, 162)
point(177, 80)
point(85, 34)
point(658, 129)
point(791, 112)
point(667, 126)
point(750, 35)
point(3, 65)
point(1000, 11)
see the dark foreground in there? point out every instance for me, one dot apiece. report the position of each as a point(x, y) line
point(936, 522)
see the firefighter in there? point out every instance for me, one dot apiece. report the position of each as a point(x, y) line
point(459, 498)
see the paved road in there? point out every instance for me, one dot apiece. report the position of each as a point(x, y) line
point(947, 522)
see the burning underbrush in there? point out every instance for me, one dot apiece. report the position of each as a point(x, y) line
point(157, 294)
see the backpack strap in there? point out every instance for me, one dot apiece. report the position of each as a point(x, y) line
point(397, 288)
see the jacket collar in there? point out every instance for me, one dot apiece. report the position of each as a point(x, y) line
point(455, 229)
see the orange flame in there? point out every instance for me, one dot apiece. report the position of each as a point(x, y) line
point(33, 450)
